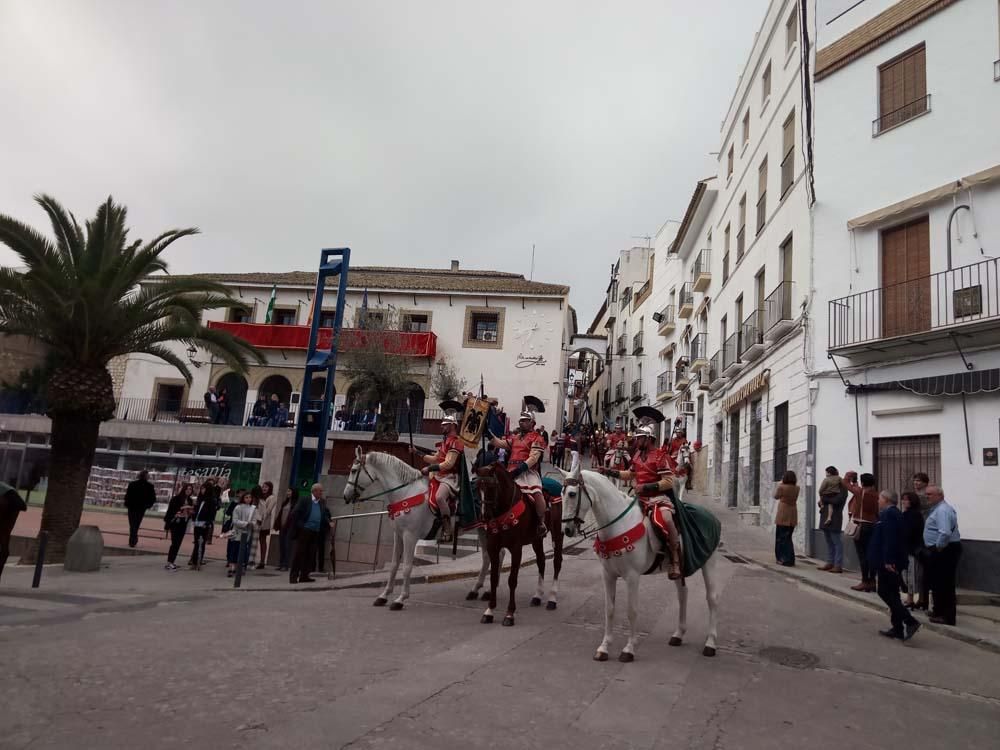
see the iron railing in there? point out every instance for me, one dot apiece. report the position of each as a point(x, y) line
point(636, 389)
point(731, 351)
point(714, 367)
point(637, 343)
point(778, 305)
point(787, 171)
point(958, 297)
point(752, 333)
point(619, 392)
point(177, 411)
point(702, 264)
point(902, 114)
point(622, 345)
point(667, 316)
point(664, 382)
point(607, 355)
point(686, 295)
point(699, 346)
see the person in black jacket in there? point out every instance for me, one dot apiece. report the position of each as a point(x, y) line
point(887, 557)
point(176, 520)
point(310, 519)
point(11, 505)
point(913, 542)
point(203, 515)
point(139, 497)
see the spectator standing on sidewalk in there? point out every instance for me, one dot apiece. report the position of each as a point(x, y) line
point(863, 510)
point(913, 543)
point(11, 505)
point(241, 534)
point(309, 517)
point(887, 555)
point(203, 517)
point(265, 519)
point(175, 521)
point(786, 518)
point(832, 497)
point(944, 548)
point(284, 527)
point(140, 496)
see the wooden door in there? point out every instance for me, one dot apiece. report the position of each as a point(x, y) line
point(906, 284)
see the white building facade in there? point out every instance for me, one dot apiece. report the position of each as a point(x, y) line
point(907, 235)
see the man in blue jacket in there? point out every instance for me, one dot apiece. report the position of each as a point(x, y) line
point(887, 556)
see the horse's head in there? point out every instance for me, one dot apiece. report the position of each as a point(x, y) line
point(359, 478)
point(496, 488)
point(575, 500)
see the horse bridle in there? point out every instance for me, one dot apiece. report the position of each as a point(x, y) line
point(491, 481)
point(357, 487)
point(576, 513)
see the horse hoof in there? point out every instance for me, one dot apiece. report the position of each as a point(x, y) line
point(485, 596)
point(395, 606)
point(380, 602)
point(708, 651)
point(600, 656)
point(674, 641)
point(486, 619)
point(472, 596)
point(550, 606)
point(536, 602)
point(508, 621)
point(625, 657)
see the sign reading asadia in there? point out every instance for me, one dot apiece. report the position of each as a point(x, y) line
point(757, 383)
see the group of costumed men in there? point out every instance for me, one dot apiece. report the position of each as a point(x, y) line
point(651, 469)
point(524, 450)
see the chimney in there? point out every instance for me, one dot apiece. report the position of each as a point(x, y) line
point(454, 265)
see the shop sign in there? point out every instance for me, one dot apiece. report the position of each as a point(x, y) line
point(755, 384)
point(205, 472)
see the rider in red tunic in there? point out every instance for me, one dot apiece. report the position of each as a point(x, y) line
point(443, 467)
point(652, 476)
point(526, 447)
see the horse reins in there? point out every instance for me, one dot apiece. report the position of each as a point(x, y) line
point(576, 515)
point(357, 489)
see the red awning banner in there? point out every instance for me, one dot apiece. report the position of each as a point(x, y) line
point(265, 336)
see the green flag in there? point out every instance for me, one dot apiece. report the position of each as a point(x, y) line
point(467, 507)
point(270, 304)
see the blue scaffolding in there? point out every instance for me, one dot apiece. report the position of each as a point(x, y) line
point(312, 421)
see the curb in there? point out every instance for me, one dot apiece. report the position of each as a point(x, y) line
point(944, 630)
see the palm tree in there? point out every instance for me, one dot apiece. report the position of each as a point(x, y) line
point(89, 296)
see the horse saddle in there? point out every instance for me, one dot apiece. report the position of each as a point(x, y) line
point(659, 516)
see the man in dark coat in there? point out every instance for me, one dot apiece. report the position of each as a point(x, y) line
point(139, 497)
point(887, 557)
point(11, 504)
point(310, 521)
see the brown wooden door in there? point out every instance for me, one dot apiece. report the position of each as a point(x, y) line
point(906, 284)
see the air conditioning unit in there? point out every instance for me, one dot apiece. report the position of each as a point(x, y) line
point(687, 408)
point(490, 336)
point(657, 317)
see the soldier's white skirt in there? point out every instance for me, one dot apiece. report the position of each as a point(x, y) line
point(530, 482)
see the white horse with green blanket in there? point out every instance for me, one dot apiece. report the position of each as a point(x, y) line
point(628, 548)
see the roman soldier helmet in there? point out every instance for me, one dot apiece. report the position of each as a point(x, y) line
point(531, 405)
point(649, 420)
point(452, 412)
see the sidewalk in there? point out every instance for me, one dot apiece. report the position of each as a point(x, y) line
point(978, 622)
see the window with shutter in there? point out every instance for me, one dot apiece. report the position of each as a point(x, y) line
point(741, 233)
point(729, 163)
point(791, 30)
point(902, 91)
point(765, 84)
point(780, 441)
point(788, 153)
point(762, 195)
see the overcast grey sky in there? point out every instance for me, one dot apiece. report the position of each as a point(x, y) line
point(414, 132)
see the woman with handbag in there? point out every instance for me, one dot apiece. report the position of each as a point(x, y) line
point(862, 512)
point(175, 521)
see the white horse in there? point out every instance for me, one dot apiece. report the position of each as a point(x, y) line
point(383, 477)
point(616, 515)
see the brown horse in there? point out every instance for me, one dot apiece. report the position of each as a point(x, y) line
point(510, 522)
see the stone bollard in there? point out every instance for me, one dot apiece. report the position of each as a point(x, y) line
point(84, 550)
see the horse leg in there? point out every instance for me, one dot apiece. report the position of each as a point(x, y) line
point(494, 552)
point(393, 567)
point(484, 568)
point(712, 595)
point(682, 608)
point(557, 551)
point(610, 584)
point(515, 566)
point(539, 549)
point(628, 653)
point(500, 554)
point(409, 545)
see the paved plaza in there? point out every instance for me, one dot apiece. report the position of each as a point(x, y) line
point(135, 657)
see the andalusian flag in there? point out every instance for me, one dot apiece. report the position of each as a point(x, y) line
point(270, 304)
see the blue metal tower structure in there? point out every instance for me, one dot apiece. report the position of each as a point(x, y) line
point(311, 421)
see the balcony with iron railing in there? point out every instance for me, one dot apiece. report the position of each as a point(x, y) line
point(636, 390)
point(682, 375)
point(664, 385)
point(637, 343)
point(619, 392)
point(699, 351)
point(922, 313)
point(701, 272)
point(668, 320)
point(685, 301)
point(715, 376)
point(778, 312)
point(901, 114)
point(622, 347)
point(752, 338)
point(731, 363)
point(608, 355)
